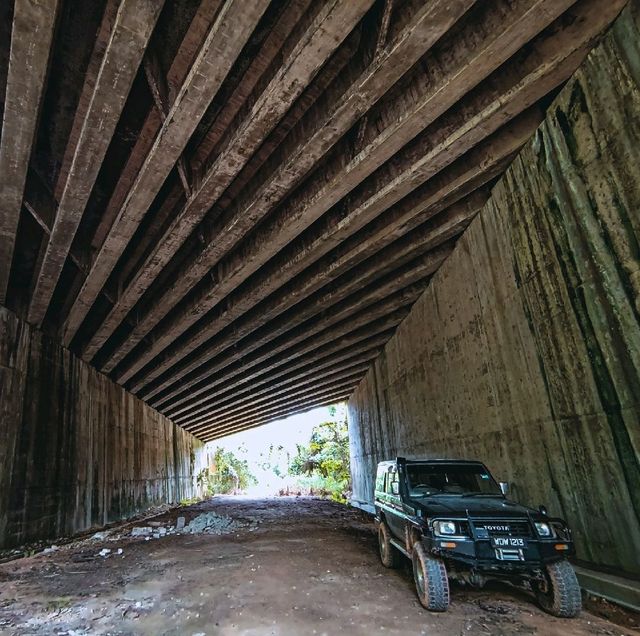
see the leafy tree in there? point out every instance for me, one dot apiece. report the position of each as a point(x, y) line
point(326, 457)
point(229, 474)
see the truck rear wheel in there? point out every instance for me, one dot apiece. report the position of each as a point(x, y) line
point(430, 576)
point(560, 593)
point(389, 556)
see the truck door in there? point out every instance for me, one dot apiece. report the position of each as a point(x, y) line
point(395, 519)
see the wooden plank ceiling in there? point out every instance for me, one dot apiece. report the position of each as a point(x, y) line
point(228, 206)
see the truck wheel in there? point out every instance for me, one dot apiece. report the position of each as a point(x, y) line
point(389, 556)
point(430, 576)
point(560, 593)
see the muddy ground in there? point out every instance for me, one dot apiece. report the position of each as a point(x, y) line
point(282, 566)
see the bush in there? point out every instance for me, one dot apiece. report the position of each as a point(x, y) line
point(228, 475)
point(323, 465)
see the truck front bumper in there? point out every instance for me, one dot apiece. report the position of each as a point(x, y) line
point(482, 556)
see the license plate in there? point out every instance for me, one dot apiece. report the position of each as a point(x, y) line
point(508, 542)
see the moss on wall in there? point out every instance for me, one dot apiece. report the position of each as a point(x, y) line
point(525, 349)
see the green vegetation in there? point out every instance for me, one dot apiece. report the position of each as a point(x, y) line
point(229, 474)
point(323, 465)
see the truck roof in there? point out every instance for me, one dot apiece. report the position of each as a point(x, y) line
point(438, 460)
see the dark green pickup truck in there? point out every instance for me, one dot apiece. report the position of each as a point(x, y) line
point(452, 519)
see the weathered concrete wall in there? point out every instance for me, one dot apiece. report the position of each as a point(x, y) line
point(525, 349)
point(77, 450)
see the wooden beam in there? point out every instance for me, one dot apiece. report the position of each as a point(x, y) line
point(31, 40)
point(332, 25)
point(234, 24)
point(129, 37)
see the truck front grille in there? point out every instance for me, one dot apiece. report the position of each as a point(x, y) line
point(503, 528)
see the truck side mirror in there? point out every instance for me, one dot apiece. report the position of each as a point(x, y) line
point(504, 487)
point(394, 487)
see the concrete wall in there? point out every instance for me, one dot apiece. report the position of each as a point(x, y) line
point(76, 450)
point(525, 349)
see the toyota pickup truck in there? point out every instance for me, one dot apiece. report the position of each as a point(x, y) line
point(454, 521)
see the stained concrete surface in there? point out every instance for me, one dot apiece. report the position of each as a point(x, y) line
point(290, 566)
point(76, 449)
point(524, 351)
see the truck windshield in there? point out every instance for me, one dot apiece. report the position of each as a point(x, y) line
point(425, 480)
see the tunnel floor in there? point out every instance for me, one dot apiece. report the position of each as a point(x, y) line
point(280, 566)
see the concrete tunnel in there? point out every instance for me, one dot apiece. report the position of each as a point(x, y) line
point(217, 213)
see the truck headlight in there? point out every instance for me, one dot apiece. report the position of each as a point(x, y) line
point(543, 529)
point(446, 528)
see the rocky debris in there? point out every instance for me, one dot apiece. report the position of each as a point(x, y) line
point(212, 523)
point(53, 548)
point(156, 531)
point(208, 522)
point(101, 536)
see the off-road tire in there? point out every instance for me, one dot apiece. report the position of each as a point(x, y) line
point(389, 555)
point(560, 595)
point(430, 576)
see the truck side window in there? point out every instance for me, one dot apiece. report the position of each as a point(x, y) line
point(392, 477)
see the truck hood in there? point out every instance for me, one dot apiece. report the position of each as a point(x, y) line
point(456, 505)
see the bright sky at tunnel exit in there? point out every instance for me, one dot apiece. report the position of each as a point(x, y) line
point(283, 436)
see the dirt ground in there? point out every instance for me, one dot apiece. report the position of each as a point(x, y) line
point(284, 566)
